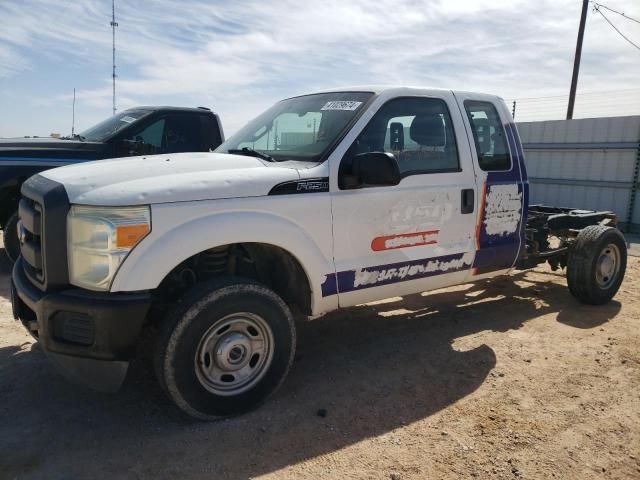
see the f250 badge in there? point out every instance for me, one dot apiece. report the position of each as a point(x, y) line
point(313, 185)
point(309, 185)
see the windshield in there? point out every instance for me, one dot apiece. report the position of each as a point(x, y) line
point(105, 129)
point(300, 128)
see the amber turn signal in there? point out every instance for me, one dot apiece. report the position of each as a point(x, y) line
point(128, 236)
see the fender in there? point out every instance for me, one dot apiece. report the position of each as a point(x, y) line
point(164, 248)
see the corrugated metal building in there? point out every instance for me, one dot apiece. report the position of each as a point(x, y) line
point(590, 163)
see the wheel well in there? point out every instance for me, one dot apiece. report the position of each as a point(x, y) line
point(271, 265)
point(8, 202)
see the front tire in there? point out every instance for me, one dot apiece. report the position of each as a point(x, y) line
point(225, 348)
point(596, 264)
point(10, 237)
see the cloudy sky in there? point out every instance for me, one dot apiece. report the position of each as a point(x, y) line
point(238, 57)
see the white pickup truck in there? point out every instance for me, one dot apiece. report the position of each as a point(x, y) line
point(324, 201)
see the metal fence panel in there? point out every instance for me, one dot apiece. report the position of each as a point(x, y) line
point(588, 163)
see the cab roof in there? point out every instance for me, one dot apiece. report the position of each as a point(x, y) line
point(152, 108)
point(398, 89)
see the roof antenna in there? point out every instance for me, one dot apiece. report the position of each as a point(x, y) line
point(73, 114)
point(114, 24)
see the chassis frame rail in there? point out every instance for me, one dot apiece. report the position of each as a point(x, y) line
point(545, 222)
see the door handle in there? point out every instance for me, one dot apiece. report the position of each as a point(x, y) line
point(467, 201)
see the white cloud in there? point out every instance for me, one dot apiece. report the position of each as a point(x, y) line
point(238, 57)
point(11, 62)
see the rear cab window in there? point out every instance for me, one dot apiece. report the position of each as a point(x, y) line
point(489, 136)
point(210, 131)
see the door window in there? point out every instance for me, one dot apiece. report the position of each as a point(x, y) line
point(489, 136)
point(147, 141)
point(417, 131)
point(152, 135)
point(170, 134)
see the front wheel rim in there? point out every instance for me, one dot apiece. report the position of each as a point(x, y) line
point(608, 266)
point(234, 354)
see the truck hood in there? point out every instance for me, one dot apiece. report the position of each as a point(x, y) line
point(44, 143)
point(54, 148)
point(179, 177)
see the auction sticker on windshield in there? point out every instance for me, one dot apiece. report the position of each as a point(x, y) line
point(127, 119)
point(341, 105)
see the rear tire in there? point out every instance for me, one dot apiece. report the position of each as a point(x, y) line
point(10, 237)
point(596, 264)
point(225, 348)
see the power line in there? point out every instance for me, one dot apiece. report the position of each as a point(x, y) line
point(599, 92)
point(552, 103)
point(591, 104)
point(597, 9)
point(597, 5)
point(610, 96)
point(584, 101)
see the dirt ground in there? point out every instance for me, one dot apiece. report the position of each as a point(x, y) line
point(509, 378)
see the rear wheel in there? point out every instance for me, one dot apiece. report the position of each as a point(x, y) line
point(225, 348)
point(10, 237)
point(597, 264)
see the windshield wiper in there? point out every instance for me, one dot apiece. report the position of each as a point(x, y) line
point(250, 152)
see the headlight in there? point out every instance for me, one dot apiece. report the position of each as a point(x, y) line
point(99, 239)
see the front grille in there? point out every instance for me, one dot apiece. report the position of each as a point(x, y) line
point(43, 232)
point(30, 234)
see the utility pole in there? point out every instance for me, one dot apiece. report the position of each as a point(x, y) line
point(576, 60)
point(114, 24)
point(513, 110)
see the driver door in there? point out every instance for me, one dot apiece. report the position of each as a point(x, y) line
point(417, 235)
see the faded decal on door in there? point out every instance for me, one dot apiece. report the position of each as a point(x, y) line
point(502, 210)
point(391, 242)
point(421, 212)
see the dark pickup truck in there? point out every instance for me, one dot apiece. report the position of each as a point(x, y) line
point(136, 131)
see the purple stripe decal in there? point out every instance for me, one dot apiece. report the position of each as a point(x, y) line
point(330, 286)
point(378, 275)
point(499, 251)
point(516, 146)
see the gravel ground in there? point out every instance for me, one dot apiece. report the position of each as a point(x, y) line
point(509, 378)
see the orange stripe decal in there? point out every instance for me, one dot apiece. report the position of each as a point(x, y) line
point(480, 215)
point(404, 240)
point(474, 271)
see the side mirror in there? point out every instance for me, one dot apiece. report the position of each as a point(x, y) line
point(373, 169)
point(126, 147)
point(129, 147)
